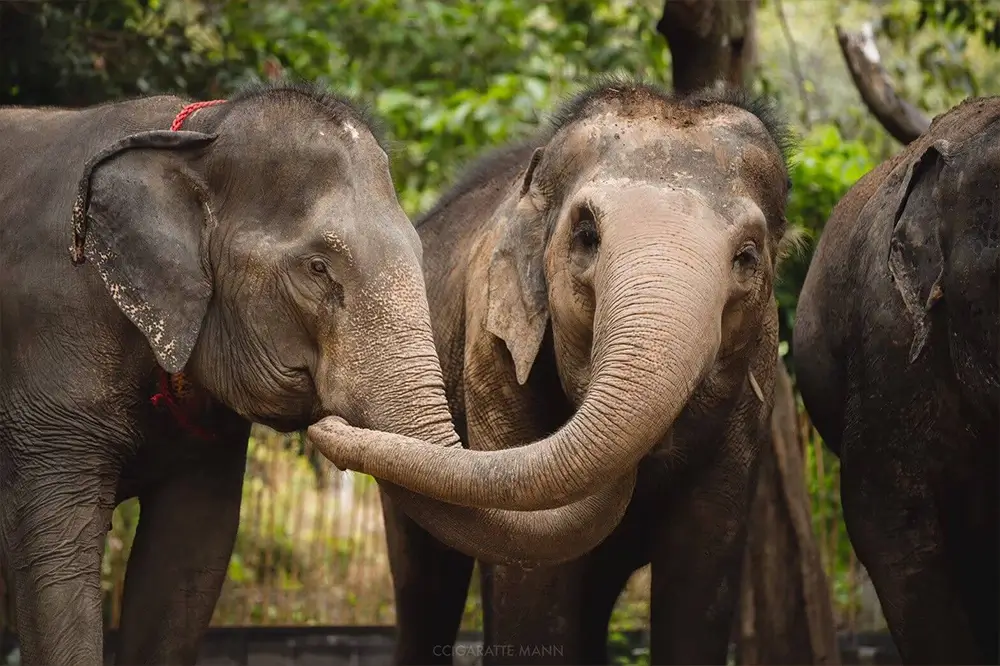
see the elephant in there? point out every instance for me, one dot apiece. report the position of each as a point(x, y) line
point(250, 264)
point(901, 380)
point(602, 302)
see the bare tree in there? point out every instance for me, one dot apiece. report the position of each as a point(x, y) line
point(901, 119)
point(786, 613)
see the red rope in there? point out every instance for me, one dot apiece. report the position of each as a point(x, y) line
point(189, 110)
point(165, 396)
point(181, 414)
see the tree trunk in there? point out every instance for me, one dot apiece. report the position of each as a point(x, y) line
point(709, 41)
point(785, 613)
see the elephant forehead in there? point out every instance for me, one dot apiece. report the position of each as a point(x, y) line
point(624, 191)
point(336, 242)
point(701, 155)
point(676, 199)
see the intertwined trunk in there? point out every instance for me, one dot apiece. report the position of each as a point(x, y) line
point(661, 287)
point(401, 391)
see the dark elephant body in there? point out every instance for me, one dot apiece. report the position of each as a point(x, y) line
point(688, 509)
point(896, 354)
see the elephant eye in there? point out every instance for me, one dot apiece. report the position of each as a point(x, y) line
point(746, 260)
point(585, 234)
point(318, 266)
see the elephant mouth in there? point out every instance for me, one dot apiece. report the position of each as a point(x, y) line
point(726, 357)
point(285, 425)
point(290, 421)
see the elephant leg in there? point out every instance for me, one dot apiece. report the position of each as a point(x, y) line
point(54, 522)
point(180, 555)
point(560, 614)
point(893, 526)
point(969, 521)
point(603, 583)
point(607, 571)
point(534, 614)
point(696, 563)
point(431, 584)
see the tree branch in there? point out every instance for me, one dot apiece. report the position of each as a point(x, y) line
point(901, 119)
point(793, 55)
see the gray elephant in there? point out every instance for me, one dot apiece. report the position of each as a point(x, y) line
point(601, 297)
point(896, 349)
point(249, 264)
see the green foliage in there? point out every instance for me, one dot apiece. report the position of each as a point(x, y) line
point(448, 78)
point(624, 651)
point(972, 16)
point(824, 169)
point(950, 49)
point(117, 547)
point(629, 616)
point(447, 88)
point(827, 165)
point(823, 484)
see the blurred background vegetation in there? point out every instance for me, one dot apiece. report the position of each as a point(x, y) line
point(451, 79)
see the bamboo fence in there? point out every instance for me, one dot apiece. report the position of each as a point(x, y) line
point(311, 548)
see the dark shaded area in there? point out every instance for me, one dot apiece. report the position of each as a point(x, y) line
point(785, 613)
point(372, 646)
point(975, 16)
point(73, 53)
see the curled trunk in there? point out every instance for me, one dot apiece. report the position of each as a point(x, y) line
point(413, 405)
point(657, 332)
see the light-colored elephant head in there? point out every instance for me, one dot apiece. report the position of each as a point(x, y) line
point(643, 233)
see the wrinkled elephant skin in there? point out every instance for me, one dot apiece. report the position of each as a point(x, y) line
point(602, 304)
point(257, 254)
point(901, 379)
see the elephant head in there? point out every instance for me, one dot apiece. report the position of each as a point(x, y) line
point(262, 250)
point(644, 233)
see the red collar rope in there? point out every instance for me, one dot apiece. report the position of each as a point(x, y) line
point(175, 392)
point(189, 110)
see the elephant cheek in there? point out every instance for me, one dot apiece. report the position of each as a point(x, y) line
point(573, 341)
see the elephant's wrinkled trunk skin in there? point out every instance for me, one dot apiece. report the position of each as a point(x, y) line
point(399, 388)
point(661, 285)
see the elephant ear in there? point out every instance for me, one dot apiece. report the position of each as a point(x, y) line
point(916, 262)
point(518, 302)
point(143, 211)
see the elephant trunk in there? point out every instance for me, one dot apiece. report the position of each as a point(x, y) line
point(402, 392)
point(661, 288)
